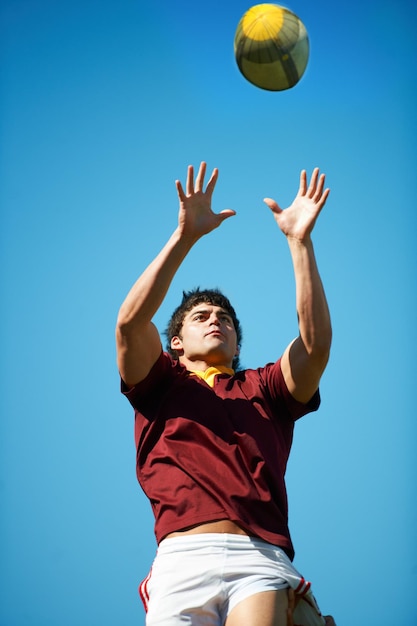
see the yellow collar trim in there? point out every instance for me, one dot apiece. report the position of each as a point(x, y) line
point(211, 372)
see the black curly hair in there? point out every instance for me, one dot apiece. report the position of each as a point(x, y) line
point(190, 299)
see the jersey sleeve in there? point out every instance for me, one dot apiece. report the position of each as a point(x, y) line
point(280, 395)
point(139, 395)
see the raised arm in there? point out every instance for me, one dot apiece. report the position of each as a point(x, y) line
point(137, 339)
point(305, 359)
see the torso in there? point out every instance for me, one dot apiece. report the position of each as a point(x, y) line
point(241, 449)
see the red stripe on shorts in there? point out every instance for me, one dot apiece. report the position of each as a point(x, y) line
point(303, 587)
point(143, 591)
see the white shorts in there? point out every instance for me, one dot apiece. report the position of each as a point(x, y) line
point(199, 579)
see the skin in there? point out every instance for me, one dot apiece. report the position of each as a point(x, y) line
point(269, 608)
point(305, 359)
point(208, 337)
point(137, 339)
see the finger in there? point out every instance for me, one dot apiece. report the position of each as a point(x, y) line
point(320, 187)
point(323, 198)
point(303, 183)
point(313, 182)
point(180, 191)
point(199, 182)
point(212, 182)
point(190, 180)
point(272, 205)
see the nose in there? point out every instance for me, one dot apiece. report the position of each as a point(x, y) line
point(214, 319)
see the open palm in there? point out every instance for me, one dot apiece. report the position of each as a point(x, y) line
point(297, 221)
point(196, 217)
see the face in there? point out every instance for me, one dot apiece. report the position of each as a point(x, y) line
point(208, 338)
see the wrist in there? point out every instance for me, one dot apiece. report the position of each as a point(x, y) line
point(183, 239)
point(296, 243)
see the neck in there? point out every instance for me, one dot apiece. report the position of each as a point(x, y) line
point(199, 365)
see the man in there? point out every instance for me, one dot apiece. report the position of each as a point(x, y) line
point(212, 442)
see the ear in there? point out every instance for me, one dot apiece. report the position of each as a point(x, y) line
point(176, 343)
point(237, 351)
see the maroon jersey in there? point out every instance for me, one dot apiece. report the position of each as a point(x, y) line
point(211, 453)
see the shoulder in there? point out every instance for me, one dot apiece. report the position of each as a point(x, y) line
point(270, 383)
point(268, 376)
point(164, 370)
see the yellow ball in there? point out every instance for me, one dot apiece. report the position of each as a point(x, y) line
point(271, 47)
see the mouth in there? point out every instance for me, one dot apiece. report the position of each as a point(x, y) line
point(215, 333)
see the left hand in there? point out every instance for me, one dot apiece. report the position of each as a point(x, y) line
point(297, 221)
point(292, 602)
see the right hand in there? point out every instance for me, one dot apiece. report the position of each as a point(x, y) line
point(195, 217)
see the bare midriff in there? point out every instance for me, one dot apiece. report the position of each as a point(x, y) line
point(221, 526)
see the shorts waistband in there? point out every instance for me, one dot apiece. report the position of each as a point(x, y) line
point(215, 541)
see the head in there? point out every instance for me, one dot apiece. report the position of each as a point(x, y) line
point(191, 300)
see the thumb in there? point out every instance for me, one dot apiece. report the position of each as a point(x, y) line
point(223, 215)
point(272, 205)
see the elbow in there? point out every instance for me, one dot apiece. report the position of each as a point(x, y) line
point(321, 348)
point(126, 329)
point(122, 327)
point(318, 347)
point(126, 321)
point(122, 322)
point(324, 340)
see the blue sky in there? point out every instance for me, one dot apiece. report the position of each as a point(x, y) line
point(103, 105)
